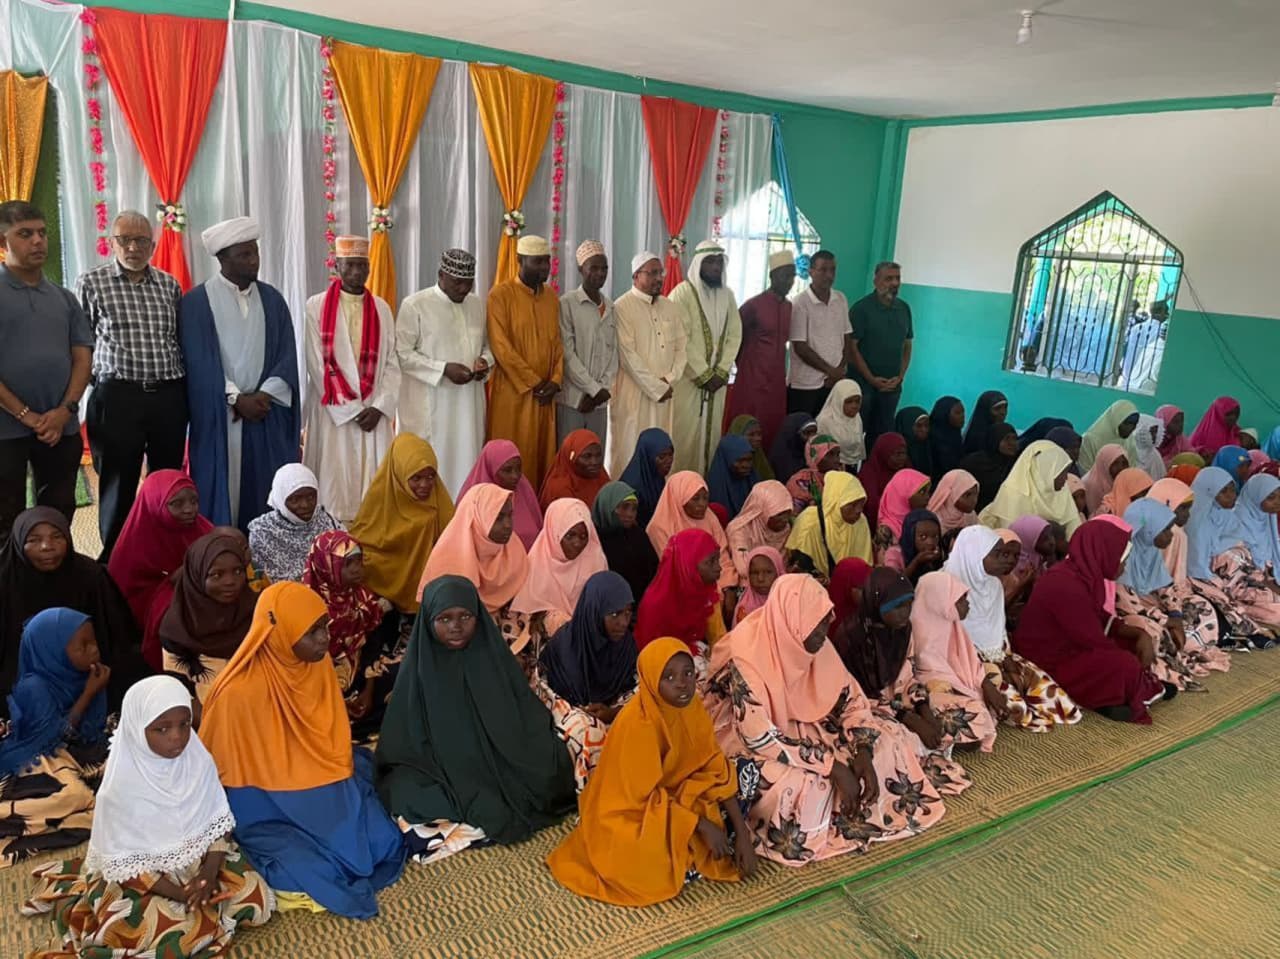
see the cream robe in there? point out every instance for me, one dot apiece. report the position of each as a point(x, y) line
point(342, 455)
point(651, 357)
point(433, 331)
point(712, 348)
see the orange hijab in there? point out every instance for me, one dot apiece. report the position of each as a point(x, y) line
point(498, 570)
point(768, 649)
point(750, 530)
point(554, 582)
point(396, 530)
point(670, 518)
point(563, 480)
point(1173, 493)
point(271, 720)
point(661, 771)
point(1129, 483)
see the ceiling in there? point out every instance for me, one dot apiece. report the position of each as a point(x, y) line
point(887, 57)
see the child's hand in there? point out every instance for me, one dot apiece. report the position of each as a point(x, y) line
point(744, 854)
point(96, 680)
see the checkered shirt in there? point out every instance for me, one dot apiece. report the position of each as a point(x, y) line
point(135, 325)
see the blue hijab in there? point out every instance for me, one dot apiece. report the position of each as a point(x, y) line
point(582, 664)
point(642, 473)
point(1231, 458)
point(1258, 529)
point(47, 687)
point(1211, 529)
point(1272, 446)
point(1145, 571)
point(724, 486)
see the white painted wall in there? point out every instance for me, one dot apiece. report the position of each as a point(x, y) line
point(1209, 180)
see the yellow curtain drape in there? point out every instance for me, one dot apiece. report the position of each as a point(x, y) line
point(384, 97)
point(516, 110)
point(22, 101)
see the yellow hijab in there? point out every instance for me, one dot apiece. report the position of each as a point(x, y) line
point(395, 530)
point(844, 540)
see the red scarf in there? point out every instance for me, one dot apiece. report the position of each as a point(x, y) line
point(336, 388)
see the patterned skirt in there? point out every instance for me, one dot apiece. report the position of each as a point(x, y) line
point(49, 805)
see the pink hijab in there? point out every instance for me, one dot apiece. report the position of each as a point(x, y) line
point(767, 648)
point(751, 600)
point(497, 570)
point(554, 582)
point(942, 503)
point(1172, 446)
point(1173, 493)
point(749, 529)
point(1098, 481)
point(895, 502)
point(527, 515)
point(670, 518)
point(1213, 433)
point(943, 651)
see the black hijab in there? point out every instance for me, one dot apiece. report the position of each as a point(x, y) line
point(787, 453)
point(919, 452)
point(1068, 439)
point(582, 664)
point(1040, 430)
point(907, 541)
point(80, 583)
point(873, 652)
point(981, 421)
point(989, 466)
point(946, 442)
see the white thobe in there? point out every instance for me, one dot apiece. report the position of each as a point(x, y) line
point(714, 331)
point(342, 455)
point(651, 357)
point(242, 346)
point(433, 331)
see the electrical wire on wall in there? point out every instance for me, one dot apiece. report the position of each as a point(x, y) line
point(1229, 356)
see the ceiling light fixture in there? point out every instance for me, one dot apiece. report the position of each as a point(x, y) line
point(1024, 31)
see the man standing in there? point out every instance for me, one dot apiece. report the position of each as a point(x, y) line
point(137, 372)
point(524, 334)
point(881, 349)
point(445, 360)
point(588, 331)
point(759, 389)
point(819, 338)
point(353, 378)
point(242, 378)
point(651, 351)
point(44, 369)
point(713, 330)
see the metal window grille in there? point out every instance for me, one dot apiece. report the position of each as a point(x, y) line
point(1092, 299)
point(759, 226)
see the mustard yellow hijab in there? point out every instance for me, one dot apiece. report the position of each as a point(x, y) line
point(843, 540)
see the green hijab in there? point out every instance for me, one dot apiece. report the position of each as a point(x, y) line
point(604, 510)
point(464, 737)
point(759, 460)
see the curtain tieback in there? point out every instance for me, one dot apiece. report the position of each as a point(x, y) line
point(172, 216)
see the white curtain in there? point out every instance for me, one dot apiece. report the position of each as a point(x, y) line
point(261, 155)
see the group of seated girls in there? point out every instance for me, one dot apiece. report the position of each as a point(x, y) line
point(709, 670)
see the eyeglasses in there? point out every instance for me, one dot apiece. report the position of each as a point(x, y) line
point(658, 272)
point(141, 242)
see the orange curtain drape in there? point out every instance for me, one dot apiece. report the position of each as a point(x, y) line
point(516, 110)
point(679, 136)
point(384, 97)
point(163, 70)
point(22, 102)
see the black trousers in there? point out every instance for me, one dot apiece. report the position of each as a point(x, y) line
point(127, 422)
point(807, 401)
point(54, 467)
point(878, 411)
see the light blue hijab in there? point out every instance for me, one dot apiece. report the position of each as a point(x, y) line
point(1145, 570)
point(1211, 529)
point(1272, 446)
point(1259, 529)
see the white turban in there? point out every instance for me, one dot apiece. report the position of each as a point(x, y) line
point(533, 245)
point(239, 229)
point(640, 259)
point(780, 259)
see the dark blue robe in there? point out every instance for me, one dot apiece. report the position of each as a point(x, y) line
point(266, 446)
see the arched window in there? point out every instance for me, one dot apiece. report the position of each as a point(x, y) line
point(757, 227)
point(1092, 299)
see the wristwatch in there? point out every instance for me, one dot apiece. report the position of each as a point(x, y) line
point(72, 407)
point(232, 398)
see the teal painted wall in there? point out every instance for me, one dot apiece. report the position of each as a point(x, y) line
point(959, 349)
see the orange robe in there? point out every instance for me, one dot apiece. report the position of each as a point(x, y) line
point(524, 335)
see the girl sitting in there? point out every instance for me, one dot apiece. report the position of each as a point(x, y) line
point(684, 600)
point(656, 808)
point(833, 530)
point(281, 537)
point(764, 566)
point(162, 875)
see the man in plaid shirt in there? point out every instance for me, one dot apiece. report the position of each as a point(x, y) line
point(138, 405)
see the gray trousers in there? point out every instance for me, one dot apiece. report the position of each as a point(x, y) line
point(568, 419)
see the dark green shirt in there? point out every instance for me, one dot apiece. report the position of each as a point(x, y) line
point(880, 331)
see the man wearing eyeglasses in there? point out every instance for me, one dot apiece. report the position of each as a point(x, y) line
point(138, 406)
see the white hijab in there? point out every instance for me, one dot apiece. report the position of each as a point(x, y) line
point(845, 430)
point(154, 814)
point(985, 622)
point(288, 480)
point(1148, 448)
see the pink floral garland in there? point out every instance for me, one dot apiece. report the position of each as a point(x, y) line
point(722, 174)
point(557, 183)
point(329, 116)
point(93, 106)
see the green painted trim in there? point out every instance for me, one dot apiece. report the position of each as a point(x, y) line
point(402, 40)
point(893, 161)
point(1240, 101)
point(964, 838)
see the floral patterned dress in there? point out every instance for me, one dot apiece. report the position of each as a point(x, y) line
point(1245, 587)
point(1036, 702)
point(581, 732)
point(97, 919)
point(1185, 667)
point(784, 775)
point(964, 721)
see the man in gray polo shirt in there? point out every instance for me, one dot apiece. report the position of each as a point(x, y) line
point(44, 369)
